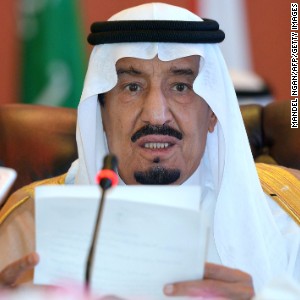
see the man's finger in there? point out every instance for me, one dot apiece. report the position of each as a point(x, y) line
point(218, 282)
point(218, 272)
point(189, 288)
point(210, 289)
point(10, 275)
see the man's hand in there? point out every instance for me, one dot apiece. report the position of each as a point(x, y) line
point(218, 282)
point(10, 275)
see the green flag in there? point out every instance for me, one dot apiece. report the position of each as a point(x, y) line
point(53, 52)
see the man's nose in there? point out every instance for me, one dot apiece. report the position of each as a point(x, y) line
point(156, 110)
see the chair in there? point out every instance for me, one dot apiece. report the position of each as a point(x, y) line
point(39, 141)
point(271, 137)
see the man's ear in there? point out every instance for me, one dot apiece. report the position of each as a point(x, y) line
point(212, 121)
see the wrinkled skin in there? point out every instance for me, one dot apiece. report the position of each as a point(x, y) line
point(156, 93)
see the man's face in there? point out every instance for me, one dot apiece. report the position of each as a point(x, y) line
point(154, 122)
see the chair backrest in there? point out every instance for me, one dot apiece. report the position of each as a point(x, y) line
point(39, 141)
point(271, 137)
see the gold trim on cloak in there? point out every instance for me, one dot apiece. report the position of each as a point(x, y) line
point(24, 194)
point(282, 186)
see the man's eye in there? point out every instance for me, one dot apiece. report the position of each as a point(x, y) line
point(133, 87)
point(180, 87)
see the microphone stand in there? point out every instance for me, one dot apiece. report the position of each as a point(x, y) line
point(91, 254)
point(106, 179)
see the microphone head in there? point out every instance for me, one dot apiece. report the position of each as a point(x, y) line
point(110, 162)
point(107, 177)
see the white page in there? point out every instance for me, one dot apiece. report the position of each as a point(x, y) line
point(149, 236)
point(7, 178)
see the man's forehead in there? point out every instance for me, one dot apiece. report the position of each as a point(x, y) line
point(138, 64)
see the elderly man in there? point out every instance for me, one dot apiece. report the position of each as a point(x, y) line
point(158, 95)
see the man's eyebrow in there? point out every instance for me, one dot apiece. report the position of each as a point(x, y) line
point(182, 71)
point(131, 71)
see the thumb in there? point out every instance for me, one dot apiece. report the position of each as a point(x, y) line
point(10, 274)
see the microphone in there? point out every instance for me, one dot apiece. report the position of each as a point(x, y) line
point(106, 178)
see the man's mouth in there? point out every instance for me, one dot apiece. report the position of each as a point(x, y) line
point(157, 148)
point(163, 130)
point(157, 145)
point(157, 142)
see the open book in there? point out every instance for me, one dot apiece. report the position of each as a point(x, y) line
point(150, 236)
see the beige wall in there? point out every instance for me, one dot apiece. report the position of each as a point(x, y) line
point(269, 33)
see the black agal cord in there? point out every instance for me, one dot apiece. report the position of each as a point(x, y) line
point(206, 31)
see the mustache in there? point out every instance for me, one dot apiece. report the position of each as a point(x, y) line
point(156, 129)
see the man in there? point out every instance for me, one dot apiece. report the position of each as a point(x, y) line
point(169, 112)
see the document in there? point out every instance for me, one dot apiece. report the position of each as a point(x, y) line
point(7, 178)
point(149, 236)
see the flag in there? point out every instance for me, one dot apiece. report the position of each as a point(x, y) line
point(53, 52)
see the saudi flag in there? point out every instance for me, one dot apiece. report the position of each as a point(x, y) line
point(53, 52)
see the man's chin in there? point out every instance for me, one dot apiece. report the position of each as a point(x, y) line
point(157, 175)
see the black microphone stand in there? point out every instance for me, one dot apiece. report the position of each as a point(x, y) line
point(110, 163)
point(91, 254)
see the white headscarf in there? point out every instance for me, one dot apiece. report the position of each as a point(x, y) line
point(245, 234)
